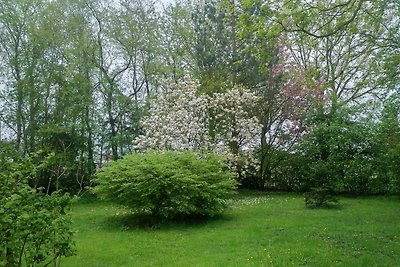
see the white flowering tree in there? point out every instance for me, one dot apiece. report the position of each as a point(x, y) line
point(181, 118)
point(234, 127)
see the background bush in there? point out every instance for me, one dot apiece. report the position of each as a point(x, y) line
point(168, 184)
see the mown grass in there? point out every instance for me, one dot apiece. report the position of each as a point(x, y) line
point(259, 229)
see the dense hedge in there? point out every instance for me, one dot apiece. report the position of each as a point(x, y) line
point(168, 184)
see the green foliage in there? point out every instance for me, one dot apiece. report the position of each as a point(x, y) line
point(34, 227)
point(387, 140)
point(168, 184)
point(8, 154)
point(283, 170)
point(336, 156)
point(63, 93)
point(344, 153)
point(65, 170)
point(319, 197)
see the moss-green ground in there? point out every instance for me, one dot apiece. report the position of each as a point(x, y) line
point(258, 229)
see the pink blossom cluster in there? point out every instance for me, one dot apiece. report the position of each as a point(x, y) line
point(301, 89)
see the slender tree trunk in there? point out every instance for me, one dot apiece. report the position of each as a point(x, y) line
point(32, 120)
point(57, 261)
point(112, 123)
point(19, 112)
point(89, 141)
point(233, 37)
point(265, 174)
point(15, 63)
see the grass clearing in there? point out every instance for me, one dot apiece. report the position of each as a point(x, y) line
point(259, 229)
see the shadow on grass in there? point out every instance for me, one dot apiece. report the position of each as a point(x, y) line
point(87, 198)
point(148, 222)
point(329, 206)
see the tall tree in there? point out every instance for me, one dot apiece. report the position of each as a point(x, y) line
point(15, 20)
point(212, 46)
point(109, 71)
point(345, 41)
point(178, 39)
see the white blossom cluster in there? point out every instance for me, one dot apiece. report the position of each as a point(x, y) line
point(181, 118)
point(236, 128)
point(176, 121)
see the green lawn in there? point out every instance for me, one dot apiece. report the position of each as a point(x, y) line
point(259, 229)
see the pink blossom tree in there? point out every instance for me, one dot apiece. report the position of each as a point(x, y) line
point(290, 93)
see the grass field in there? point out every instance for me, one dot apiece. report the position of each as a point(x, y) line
point(258, 229)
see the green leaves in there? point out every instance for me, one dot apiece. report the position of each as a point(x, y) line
point(34, 227)
point(168, 184)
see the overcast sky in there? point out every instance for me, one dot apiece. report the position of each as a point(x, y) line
point(164, 2)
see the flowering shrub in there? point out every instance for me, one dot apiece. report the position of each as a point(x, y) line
point(168, 184)
point(225, 123)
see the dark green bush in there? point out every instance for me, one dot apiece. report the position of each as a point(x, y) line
point(168, 184)
point(66, 169)
point(387, 159)
point(319, 197)
point(338, 153)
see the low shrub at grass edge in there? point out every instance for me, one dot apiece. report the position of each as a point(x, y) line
point(169, 184)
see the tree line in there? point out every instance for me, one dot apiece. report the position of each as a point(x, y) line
point(78, 79)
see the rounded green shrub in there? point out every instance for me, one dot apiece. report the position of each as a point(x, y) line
point(168, 184)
